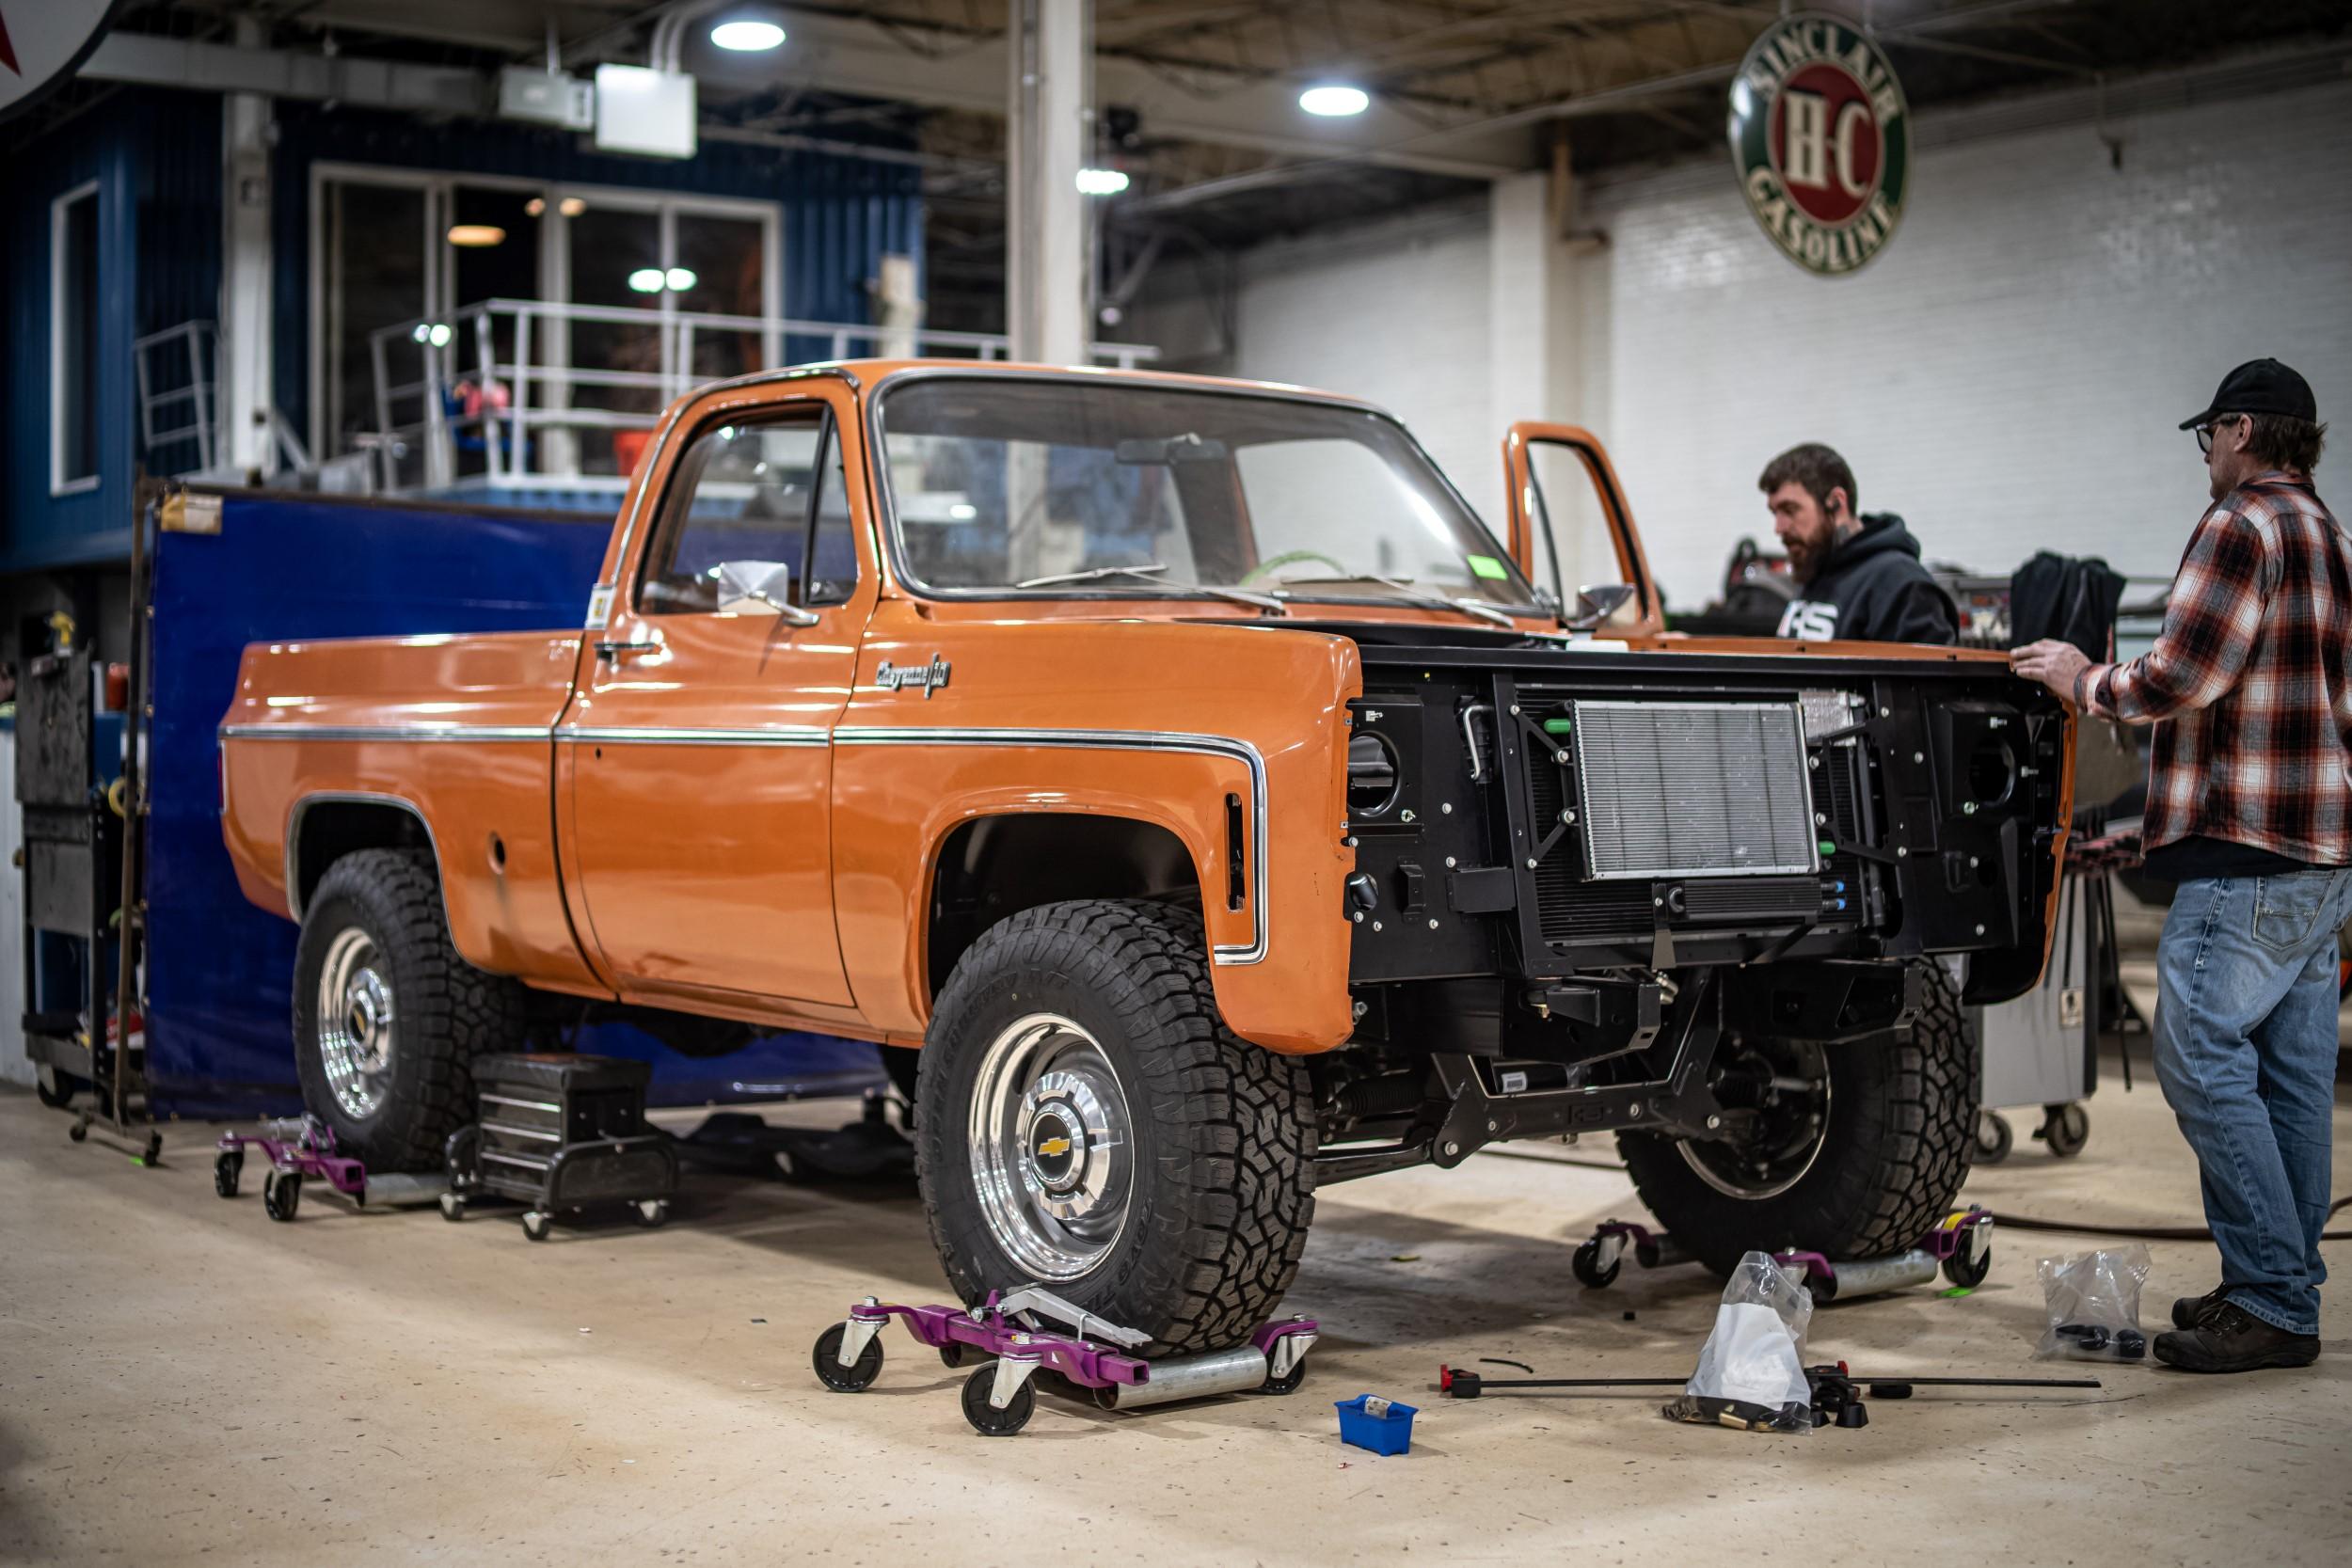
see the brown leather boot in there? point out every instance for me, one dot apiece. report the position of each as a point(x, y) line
point(2231, 1339)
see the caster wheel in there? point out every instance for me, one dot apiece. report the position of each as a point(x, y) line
point(1993, 1139)
point(1585, 1262)
point(281, 1194)
point(227, 1165)
point(1288, 1382)
point(2065, 1129)
point(452, 1208)
point(652, 1213)
point(79, 1130)
point(1967, 1270)
point(536, 1225)
point(853, 1379)
point(56, 1089)
point(986, 1418)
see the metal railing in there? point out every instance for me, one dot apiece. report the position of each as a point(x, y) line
point(501, 392)
point(178, 377)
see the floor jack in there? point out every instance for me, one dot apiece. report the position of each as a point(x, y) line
point(1962, 1246)
point(1836, 1393)
point(297, 1147)
point(999, 1398)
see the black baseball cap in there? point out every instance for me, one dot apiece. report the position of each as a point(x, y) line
point(2261, 386)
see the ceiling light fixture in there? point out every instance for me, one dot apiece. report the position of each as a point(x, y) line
point(1334, 98)
point(747, 38)
point(572, 206)
point(647, 280)
point(681, 278)
point(476, 236)
point(1102, 182)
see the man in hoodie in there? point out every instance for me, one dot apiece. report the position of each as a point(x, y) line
point(1862, 577)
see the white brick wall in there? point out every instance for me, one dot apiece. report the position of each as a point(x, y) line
point(2009, 372)
point(2007, 375)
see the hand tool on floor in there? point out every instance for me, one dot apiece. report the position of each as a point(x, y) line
point(1837, 1393)
point(1011, 1327)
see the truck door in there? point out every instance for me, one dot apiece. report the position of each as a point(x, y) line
point(1563, 488)
point(695, 762)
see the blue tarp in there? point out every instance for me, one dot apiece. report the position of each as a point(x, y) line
point(218, 1008)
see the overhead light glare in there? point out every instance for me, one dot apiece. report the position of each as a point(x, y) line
point(647, 280)
point(437, 334)
point(748, 38)
point(572, 206)
point(535, 207)
point(476, 236)
point(681, 278)
point(1334, 98)
point(1102, 182)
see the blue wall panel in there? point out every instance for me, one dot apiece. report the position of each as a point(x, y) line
point(218, 1017)
point(156, 158)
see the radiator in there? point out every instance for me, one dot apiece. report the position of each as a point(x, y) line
point(1692, 789)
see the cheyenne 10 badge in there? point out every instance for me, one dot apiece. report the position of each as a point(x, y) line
point(1821, 140)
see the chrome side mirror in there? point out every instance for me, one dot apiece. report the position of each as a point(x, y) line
point(763, 582)
point(1595, 603)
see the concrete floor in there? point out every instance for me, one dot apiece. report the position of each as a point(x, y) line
point(186, 1381)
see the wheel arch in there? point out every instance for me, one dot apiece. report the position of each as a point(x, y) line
point(992, 867)
point(323, 828)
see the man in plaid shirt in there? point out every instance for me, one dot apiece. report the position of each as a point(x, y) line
point(2250, 810)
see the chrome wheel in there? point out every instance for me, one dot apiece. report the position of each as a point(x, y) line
point(1775, 1097)
point(1052, 1154)
point(354, 1021)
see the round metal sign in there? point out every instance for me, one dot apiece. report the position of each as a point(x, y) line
point(44, 41)
point(1820, 138)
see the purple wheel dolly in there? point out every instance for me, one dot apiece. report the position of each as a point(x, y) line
point(1962, 1246)
point(296, 1148)
point(1010, 1330)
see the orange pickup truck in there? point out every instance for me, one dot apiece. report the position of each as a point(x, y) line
point(1217, 803)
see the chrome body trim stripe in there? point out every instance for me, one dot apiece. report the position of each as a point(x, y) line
point(478, 734)
point(779, 734)
point(1108, 740)
point(1124, 740)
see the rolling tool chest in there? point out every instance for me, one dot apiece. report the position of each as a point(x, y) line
point(560, 1133)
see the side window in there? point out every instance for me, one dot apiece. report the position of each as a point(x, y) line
point(833, 538)
point(738, 508)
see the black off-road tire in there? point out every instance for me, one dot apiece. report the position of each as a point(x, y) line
point(1902, 1117)
point(446, 1011)
point(1223, 1132)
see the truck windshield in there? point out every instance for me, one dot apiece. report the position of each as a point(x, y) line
point(1133, 489)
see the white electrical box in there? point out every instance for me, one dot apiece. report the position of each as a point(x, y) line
point(645, 112)
point(547, 97)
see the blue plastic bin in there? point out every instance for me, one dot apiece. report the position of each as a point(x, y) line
point(1372, 1422)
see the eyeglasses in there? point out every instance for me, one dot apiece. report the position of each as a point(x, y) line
point(2205, 431)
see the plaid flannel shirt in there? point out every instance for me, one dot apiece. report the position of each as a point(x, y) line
point(2249, 682)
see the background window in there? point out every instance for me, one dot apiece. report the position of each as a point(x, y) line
point(73, 340)
point(742, 494)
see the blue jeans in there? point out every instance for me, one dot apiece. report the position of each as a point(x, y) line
point(2245, 1050)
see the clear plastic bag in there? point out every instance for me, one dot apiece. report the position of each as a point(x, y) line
point(2092, 1303)
point(1751, 1370)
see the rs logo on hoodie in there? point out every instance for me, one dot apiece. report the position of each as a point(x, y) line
point(1809, 621)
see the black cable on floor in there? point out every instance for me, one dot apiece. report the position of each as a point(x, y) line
point(2150, 1233)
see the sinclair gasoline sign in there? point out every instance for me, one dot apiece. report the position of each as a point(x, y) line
point(1821, 139)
